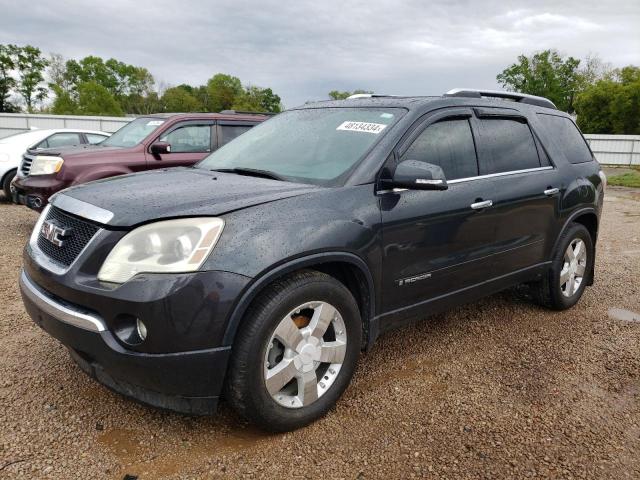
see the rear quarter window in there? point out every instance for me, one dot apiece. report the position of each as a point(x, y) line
point(567, 138)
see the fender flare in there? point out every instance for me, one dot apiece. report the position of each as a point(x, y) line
point(570, 219)
point(260, 282)
point(573, 216)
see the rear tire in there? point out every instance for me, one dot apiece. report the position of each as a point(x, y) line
point(570, 272)
point(284, 372)
point(6, 183)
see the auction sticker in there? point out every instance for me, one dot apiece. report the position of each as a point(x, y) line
point(155, 123)
point(366, 127)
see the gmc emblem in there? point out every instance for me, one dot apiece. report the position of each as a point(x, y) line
point(54, 233)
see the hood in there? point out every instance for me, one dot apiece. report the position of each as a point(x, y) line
point(70, 152)
point(178, 192)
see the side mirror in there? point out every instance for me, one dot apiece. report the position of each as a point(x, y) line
point(158, 148)
point(416, 175)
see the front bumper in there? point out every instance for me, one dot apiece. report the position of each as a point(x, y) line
point(34, 192)
point(188, 382)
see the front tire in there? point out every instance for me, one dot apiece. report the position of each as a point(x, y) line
point(572, 264)
point(6, 183)
point(295, 352)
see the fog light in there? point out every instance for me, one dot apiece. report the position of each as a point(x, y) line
point(129, 329)
point(141, 329)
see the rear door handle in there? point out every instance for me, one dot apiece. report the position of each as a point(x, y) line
point(551, 191)
point(481, 205)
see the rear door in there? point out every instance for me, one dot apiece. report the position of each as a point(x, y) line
point(525, 188)
point(190, 142)
point(437, 242)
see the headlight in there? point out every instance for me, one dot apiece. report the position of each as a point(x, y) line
point(170, 246)
point(46, 165)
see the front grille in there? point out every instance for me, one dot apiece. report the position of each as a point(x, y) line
point(80, 234)
point(25, 167)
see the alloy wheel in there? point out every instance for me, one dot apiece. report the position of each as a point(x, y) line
point(305, 354)
point(573, 269)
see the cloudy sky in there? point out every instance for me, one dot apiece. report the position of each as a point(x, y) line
point(303, 49)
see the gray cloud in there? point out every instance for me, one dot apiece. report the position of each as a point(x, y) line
point(303, 49)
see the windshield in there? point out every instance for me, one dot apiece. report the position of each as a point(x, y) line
point(132, 133)
point(317, 146)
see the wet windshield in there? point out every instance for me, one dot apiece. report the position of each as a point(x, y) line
point(318, 145)
point(133, 132)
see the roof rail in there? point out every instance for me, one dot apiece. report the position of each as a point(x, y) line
point(367, 95)
point(243, 112)
point(518, 97)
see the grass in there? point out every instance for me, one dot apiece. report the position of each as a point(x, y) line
point(629, 179)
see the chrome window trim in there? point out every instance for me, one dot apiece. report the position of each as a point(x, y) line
point(57, 310)
point(82, 209)
point(499, 174)
point(479, 177)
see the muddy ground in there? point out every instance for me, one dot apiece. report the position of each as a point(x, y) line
point(496, 389)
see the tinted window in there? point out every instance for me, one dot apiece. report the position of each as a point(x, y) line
point(448, 144)
point(63, 140)
point(189, 138)
point(229, 132)
point(94, 138)
point(567, 137)
point(505, 145)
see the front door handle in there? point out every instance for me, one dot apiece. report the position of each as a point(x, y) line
point(551, 191)
point(481, 205)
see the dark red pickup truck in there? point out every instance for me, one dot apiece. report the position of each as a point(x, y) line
point(146, 143)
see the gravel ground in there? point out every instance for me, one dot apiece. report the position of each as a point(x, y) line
point(496, 389)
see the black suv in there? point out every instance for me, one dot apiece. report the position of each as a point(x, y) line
point(263, 271)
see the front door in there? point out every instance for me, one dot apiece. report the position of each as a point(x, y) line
point(437, 242)
point(190, 142)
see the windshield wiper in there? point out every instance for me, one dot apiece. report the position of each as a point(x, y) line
point(252, 172)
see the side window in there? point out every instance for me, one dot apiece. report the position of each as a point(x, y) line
point(63, 140)
point(94, 138)
point(567, 137)
point(189, 138)
point(448, 144)
point(505, 145)
point(229, 132)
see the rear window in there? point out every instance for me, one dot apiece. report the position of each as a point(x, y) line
point(567, 138)
point(505, 145)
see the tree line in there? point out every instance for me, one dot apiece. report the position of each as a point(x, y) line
point(603, 99)
point(94, 86)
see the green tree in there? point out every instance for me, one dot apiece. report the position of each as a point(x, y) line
point(7, 82)
point(31, 65)
point(256, 99)
point(611, 105)
point(222, 92)
point(180, 99)
point(131, 86)
point(95, 99)
point(546, 74)
point(63, 104)
point(338, 95)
